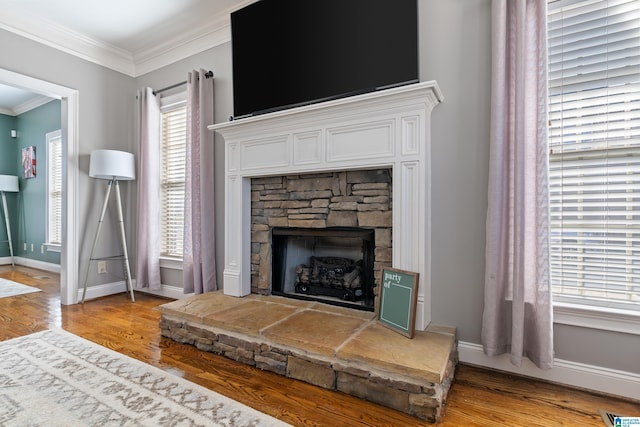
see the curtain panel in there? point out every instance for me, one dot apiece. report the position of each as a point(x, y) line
point(198, 262)
point(517, 317)
point(148, 212)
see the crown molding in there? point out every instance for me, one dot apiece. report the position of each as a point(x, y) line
point(68, 41)
point(26, 106)
point(212, 34)
point(31, 104)
point(176, 49)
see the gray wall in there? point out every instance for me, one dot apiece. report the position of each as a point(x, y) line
point(455, 51)
point(105, 121)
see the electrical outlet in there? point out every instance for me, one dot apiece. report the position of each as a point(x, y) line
point(41, 249)
point(25, 247)
point(102, 267)
point(32, 247)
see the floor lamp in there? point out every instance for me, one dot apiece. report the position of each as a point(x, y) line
point(8, 183)
point(113, 166)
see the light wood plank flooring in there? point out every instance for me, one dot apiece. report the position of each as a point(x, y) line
point(478, 397)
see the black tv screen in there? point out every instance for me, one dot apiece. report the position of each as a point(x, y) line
point(288, 53)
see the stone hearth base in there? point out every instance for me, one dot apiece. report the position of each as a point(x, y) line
point(331, 347)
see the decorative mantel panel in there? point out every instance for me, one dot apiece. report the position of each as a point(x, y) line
point(385, 129)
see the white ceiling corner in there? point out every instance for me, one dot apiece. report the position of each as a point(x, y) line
point(131, 37)
point(195, 41)
point(67, 40)
point(30, 104)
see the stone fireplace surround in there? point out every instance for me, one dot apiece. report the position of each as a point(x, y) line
point(358, 199)
point(384, 129)
point(387, 130)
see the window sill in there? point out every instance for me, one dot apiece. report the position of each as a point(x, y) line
point(171, 263)
point(53, 247)
point(624, 321)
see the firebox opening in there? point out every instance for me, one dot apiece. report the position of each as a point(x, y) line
point(333, 265)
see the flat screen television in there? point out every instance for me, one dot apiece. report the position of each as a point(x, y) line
point(288, 53)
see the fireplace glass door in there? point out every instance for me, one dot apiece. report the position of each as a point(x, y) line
point(332, 265)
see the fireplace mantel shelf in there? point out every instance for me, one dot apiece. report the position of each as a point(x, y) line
point(429, 86)
point(385, 129)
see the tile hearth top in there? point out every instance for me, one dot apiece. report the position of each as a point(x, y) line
point(322, 329)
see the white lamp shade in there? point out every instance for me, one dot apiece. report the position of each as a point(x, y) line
point(112, 164)
point(9, 183)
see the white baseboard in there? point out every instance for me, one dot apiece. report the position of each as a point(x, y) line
point(173, 292)
point(597, 378)
point(104, 290)
point(97, 291)
point(33, 263)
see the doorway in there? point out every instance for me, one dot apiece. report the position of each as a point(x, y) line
point(69, 121)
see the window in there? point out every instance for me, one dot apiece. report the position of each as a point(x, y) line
point(54, 190)
point(173, 152)
point(594, 152)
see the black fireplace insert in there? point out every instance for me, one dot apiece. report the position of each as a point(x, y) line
point(333, 265)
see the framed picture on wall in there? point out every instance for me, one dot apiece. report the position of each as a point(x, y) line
point(29, 161)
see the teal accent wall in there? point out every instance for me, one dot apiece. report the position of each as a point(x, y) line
point(30, 215)
point(8, 151)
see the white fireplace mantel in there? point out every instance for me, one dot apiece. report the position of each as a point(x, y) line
point(384, 129)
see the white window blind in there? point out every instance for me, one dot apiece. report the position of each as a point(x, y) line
point(594, 146)
point(54, 189)
point(174, 134)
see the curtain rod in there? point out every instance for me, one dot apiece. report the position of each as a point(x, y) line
point(208, 74)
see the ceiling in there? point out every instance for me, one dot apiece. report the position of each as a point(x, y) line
point(130, 36)
point(14, 101)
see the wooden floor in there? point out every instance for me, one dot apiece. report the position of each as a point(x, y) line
point(478, 397)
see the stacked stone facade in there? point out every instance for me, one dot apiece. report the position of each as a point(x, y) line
point(360, 198)
point(417, 397)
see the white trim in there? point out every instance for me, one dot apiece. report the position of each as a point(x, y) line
point(605, 319)
point(58, 37)
point(114, 288)
point(70, 111)
point(31, 104)
point(175, 100)
point(166, 291)
point(175, 50)
point(69, 257)
point(171, 263)
point(26, 106)
point(33, 263)
point(386, 129)
point(596, 378)
point(52, 248)
point(103, 290)
point(216, 32)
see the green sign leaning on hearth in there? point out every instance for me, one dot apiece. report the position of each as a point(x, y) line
point(397, 300)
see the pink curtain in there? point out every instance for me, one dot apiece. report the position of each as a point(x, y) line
point(148, 219)
point(517, 316)
point(198, 262)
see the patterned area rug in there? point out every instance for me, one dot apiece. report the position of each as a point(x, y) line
point(54, 378)
point(9, 288)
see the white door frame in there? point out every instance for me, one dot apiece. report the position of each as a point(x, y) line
point(69, 108)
